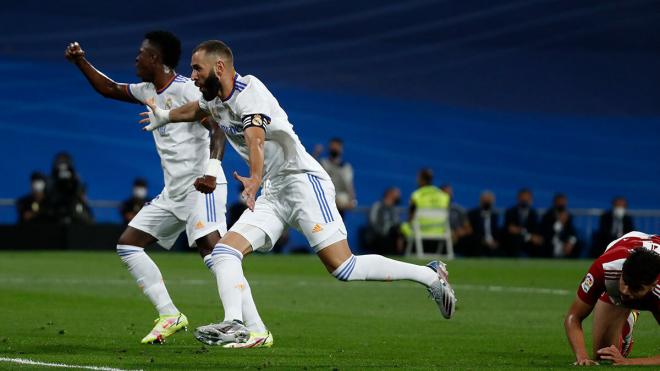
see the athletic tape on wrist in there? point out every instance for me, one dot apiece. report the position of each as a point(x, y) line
point(214, 168)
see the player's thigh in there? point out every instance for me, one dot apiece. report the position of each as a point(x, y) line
point(206, 220)
point(256, 230)
point(163, 225)
point(312, 210)
point(135, 237)
point(608, 322)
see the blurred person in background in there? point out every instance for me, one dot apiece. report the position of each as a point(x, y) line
point(458, 219)
point(614, 223)
point(427, 196)
point(131, 206)
point(341, 174)
point(34, 207)
point(521, 227)
point(484, 221)
point(559, 233)
point(65, 191)
point(384, 228)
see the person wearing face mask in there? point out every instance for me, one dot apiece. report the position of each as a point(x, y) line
point(131, 206)
point(559, 233)
point(484, 221)
point(65, 189)
point(341, 174)
point(614, 223)
point(383, 232)
point(34, 206)
point(521, 229)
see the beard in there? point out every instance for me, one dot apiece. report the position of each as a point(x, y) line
point(211, 87)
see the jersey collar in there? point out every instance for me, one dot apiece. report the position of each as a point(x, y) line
point(158, 91)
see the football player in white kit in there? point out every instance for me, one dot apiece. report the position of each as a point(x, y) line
point(296, 190)
point(186, 152)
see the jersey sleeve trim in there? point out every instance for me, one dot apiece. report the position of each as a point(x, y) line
point(127, 87)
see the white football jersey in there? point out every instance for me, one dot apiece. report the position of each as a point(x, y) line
point(251, 103)
point(184, 148)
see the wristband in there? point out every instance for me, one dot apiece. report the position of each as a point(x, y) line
point(213, 168)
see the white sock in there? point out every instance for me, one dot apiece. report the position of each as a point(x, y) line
point(148, 277)
point(231, 282)
point(251, 316)
point(380, 268)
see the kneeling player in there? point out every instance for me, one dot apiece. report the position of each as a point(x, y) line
point(620, 283)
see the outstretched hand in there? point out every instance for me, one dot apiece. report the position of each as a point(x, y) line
point(251, 186)
point(74, 52)
point(585, 362)
point(613, 354)
point(155, 116)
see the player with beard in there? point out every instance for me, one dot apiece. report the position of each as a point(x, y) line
point(190, 159)
point(619, 284)
point(296, 192)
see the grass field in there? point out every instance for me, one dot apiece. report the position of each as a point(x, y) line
point(84, 309)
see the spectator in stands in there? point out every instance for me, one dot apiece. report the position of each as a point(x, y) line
point(521, 228)
point(484, 221)
point(614, 223)
point(559, 234)
point(82, 212)
point(65, 191)
point(427, 196)
point(458, 219)
point(131, 206)
point(384, 228)
point(34, 207)
point(341, 173)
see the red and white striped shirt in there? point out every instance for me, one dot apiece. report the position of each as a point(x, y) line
point(602, 280)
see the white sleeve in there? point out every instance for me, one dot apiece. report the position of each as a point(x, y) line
point(255, 99)
point(204, 105)
point(140, 92)
point(191, 92)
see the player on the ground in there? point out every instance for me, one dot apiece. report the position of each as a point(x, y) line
point(620, 283)
point(296, 192)
point(186, 152)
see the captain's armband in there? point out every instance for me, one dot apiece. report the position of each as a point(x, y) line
point(256, 120)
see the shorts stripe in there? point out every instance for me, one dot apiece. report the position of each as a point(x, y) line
point(318, 197)
point(324, 200)
point(208, 213)
point(215, 216)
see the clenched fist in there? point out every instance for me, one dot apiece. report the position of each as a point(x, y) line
point(74, 52)
point(205, 184)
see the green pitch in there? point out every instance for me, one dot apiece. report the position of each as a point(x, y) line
point(84, 309)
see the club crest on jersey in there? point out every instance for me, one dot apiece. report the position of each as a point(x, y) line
point(587, 283)
point(256, 119)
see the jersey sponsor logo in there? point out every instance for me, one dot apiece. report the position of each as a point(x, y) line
point(587, 283)
point(317, 228)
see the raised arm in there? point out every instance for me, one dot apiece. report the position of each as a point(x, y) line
point(100, 82)
point(207, 182)
point(255, 137)
point(578, 311)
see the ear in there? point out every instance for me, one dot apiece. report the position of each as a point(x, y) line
point(220, 67)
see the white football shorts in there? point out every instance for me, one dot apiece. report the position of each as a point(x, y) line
point(197, 213)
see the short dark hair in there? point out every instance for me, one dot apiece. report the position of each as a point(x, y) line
point(336, 140)
point(215, 47)
point(426, 175)
point(37, 175)
point(524, 190)
point(168, 45)
point(140, 182)
point(641, 268)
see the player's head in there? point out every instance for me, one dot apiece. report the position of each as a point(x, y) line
point(336, 148)
point(425, 177)
point(525, 197)
point(487, 200)
point(38, 182)
point(560, 202)
point(639, 274)
point(160, 50)
point(211, 62)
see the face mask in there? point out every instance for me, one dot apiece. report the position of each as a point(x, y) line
point(486, 206)
point(38, 186)
point(397, 202)
point(334, 153)
point(139, 192)
point(523, 204)
point(63, 171)
point(560, 208)
point(619, 212)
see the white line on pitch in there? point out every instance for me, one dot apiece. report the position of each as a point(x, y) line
point(260, 282)
point(22, 361)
